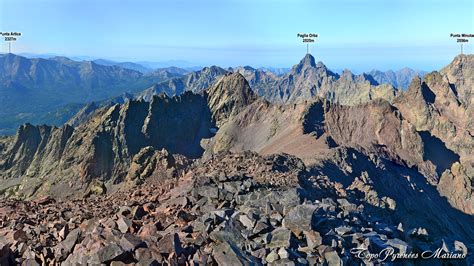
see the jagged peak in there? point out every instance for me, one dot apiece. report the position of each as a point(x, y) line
point(464, 57)
point(212, 69)
point(321, 65)
point(232, 83)
point(419, 90)
point(308, 62)
point(460, 61)
point(228, 95)
point(12, 55)
point(346, 73)
point(415, 84)
point(308, 59)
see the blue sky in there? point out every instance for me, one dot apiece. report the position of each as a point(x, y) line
point(359, 35)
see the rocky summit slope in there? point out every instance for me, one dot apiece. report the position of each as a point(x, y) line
point(229, 210)
point(226, 177)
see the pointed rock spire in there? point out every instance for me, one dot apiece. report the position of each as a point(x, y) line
point(230, 94)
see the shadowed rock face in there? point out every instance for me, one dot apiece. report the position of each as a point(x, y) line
point(394, 191)
point(314, 118)
point(459, 75)
point(101, 149)
point(435, 151)
point(441, 104)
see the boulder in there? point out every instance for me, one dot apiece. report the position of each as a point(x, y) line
point(247, 222)
point(342, 230)
point(208, 192)
point(313, 239)
point(272, 256)
point(281, 238)
point(106, 254)
point(65, 247)
point(332, 258)
point(130, 242)
point(138, 212)
point(300, 218)
point(227, 253)
point(169, 244)
point(124, 224)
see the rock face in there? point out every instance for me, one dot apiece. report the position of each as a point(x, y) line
point(440, 105)
point(427, 127)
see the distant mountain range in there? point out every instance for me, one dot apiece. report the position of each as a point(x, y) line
point(32, 88)
point(309, 79)
point(128, 65)
point(53, 90)
point(141, 65)
point(399, 79)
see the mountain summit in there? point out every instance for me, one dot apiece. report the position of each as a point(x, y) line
point(307, 61)
point(308, 80)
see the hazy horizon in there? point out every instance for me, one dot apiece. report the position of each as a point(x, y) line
point(358, 36)
point(194, 66)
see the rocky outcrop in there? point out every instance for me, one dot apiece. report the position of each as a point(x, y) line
point(375, 127)
point(149, 164)
point(439, 106)
point(350, 89)
point(229, 96)
point(401, 191)
point(460, 74)
point(456, 184)
point(432, 105)
point(44, 160)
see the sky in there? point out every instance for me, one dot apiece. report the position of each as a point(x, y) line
point(358, 35)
